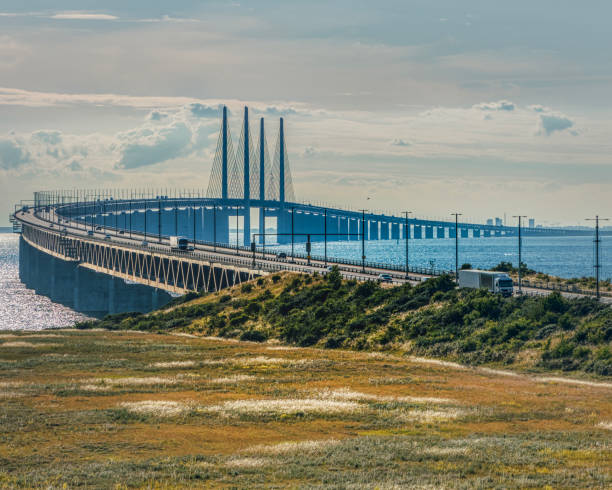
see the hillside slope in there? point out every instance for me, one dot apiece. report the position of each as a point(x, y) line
point(432, 319)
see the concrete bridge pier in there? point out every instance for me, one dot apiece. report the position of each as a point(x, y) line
point(384, 230)
point(353, 229)
point(441, 232)
point(476, 233)
point(417, 232)
point(464, 232)
point(429, 232)
point(395, 231)
point(452, 233)
point(90, 292)
point(342, 228)
point(62, 290)
point(373, 230)
point(487, 233)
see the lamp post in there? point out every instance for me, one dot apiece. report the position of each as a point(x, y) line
point(456, 215)
point(363, 257)
point(237, 229)
point(597, 241)
point(159, 221)
point(520, 245)
point(406, 237)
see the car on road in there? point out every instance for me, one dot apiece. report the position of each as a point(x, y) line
point(384, 278)
point(281, 256)
point(98, 228)
point(145, 243)
point(90, 233)
point(107, 237)
point(121, 232)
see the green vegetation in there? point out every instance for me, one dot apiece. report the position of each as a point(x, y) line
point(432, 319)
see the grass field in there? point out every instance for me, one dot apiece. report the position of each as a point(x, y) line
point(128, 409)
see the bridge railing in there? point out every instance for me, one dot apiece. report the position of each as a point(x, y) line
point(566, 288)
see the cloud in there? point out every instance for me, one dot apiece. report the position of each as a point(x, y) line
point(49, 137)
point(12, 155)
point(151, 147)
point(82, 16)
point(538, 108)
point(157, 116)
point(549, 123)
point(201, 110)
point(74, 166)
point(502, 105)
point(280, 111)
point(400, 142)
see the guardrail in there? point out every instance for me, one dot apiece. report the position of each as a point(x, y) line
point(566, 288)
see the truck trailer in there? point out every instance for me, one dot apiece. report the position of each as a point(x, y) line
point(496, 282)
point(179, 243)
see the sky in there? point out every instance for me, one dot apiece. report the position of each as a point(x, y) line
point(481, 107)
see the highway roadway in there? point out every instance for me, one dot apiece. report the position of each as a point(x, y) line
point(268, 262)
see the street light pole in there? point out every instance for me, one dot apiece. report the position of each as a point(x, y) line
point(519, 253)
point(363, 257)
point(597, 241)
point(406, 236)
point(159, 221)
point(456, 215)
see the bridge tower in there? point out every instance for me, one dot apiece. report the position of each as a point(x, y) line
point(281, 179)
point(247, 182)
point(224, 155)
point(262, 181)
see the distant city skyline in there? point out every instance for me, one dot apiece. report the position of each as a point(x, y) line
point(433, 106)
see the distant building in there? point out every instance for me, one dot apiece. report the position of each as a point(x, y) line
point(531, 223)
point(498, 222)
point(490, 222)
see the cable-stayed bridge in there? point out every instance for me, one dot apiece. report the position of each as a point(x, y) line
point(105, 251)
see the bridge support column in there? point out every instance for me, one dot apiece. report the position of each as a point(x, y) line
point(464, 232)
point(498, 233)
point(429, 232)
point(353, 229)
point(451, 232)
point(395, 231)
point(487, 233)
point(283, 225)
point(90, 292)
point(373, 230)
point(384, 230)
point(63, 276)
point(476, 233)
point(247, 236)
point(342, 228)
point(418, 232)
point(441, 232)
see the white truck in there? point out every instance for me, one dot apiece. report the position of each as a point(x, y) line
point(496, 282)
point(179, 243)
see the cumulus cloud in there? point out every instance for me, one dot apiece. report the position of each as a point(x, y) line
point(550, 123)
point(49, 137)
point(157, 116)
point(279, 111)
point(501, 105)
point(12, 154)
point(400, 142)
point(538, 108)
point(201, 110)
point(148, 147)
point(74, 166)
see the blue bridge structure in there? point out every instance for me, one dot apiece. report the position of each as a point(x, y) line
point(109, 251)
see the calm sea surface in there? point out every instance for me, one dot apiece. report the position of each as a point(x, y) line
point(21, 308)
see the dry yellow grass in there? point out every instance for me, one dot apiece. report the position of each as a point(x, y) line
point(242, 416)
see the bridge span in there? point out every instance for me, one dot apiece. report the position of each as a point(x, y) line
point(102, 251)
